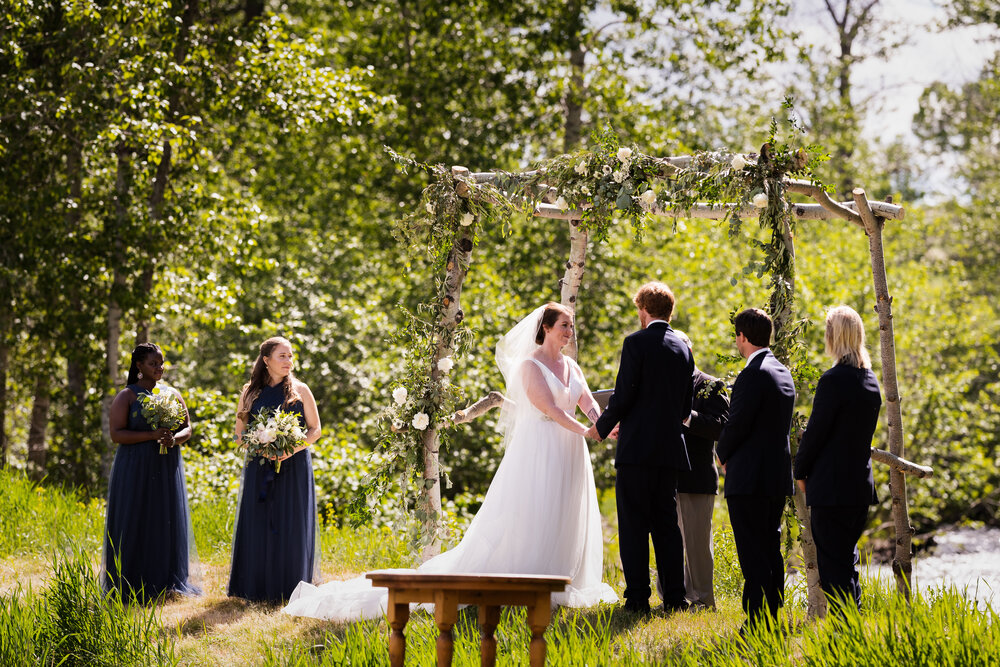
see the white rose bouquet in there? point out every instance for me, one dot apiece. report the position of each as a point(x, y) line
point(273, 433)
point(162, 409)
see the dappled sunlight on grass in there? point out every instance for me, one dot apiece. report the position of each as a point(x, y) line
point(940, 627)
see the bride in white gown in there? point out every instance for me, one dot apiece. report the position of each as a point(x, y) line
point(540, 514)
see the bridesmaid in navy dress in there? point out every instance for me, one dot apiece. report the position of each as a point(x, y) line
point(274, 545)
point(147, 539)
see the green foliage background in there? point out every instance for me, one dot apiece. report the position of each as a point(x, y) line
point(280, 202)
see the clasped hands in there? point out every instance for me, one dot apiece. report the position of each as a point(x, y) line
point(165, 437)
point(594, 435)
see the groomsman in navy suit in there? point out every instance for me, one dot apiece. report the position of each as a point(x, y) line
point(652, 398)
point(754, 450)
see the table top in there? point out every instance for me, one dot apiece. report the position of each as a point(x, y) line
point(399, 578)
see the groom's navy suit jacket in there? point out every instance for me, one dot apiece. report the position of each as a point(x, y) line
point(754, 443)
point(652, 397)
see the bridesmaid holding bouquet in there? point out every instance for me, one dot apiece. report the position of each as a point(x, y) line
point(274, 545)
point(148, 543)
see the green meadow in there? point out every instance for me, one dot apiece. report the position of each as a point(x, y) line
point(53, 612)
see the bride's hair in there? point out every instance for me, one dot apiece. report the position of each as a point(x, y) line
point(549, 318)
point(259, 378)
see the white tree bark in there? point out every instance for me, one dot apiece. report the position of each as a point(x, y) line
point(720, 211)
point(494, 399)
point(573, 277)
point(429, 500)
point(902, 564)
point(901, 464)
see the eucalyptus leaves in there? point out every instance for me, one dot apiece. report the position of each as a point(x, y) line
point(162, 409)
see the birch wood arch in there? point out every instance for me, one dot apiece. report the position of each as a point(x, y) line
point(545, 201)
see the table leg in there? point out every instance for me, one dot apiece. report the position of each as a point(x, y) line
point(489, 617)
point(399, 614)
point(538, 619)
point(445, 615)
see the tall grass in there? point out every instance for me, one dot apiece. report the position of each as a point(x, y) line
point(36, 519)
point(945, 629)
point(72, 623)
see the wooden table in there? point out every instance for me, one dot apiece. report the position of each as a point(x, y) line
point(488, 591)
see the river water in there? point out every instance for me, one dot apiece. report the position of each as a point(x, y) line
point(966, 558)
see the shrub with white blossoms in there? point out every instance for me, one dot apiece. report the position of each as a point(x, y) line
point(445, 364)
point(273, 433)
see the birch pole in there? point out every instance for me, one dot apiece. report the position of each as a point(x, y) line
point(429, 501)
point(902, 564)
point(816, 602)
point(570, 283)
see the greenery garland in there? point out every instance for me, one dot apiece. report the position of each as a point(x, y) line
point(609, 180)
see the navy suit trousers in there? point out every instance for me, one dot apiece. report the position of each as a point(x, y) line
point(756, 522)
point(836, 531)
point(647, 506)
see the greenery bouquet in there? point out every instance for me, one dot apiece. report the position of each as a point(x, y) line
point(161, 409)
point(273, 433)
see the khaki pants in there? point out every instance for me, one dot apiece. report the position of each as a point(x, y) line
point(694, 514)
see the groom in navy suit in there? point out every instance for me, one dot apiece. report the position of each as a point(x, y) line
point(754, 451)
point(652, 398)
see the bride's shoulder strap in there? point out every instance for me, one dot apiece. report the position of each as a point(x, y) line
point(536, 362)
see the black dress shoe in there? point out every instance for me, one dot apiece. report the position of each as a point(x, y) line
point(637, 608)
point(669, 608)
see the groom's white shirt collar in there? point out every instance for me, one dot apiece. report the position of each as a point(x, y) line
point(750, 358)
point(651, 322)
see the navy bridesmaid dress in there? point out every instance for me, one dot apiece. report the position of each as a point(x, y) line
point(274, 545)
point(148, 542)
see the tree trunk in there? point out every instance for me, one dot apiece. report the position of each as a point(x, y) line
point(429, 501)
point(39, 424)
point(142, 324)
point(902, 564)
point(574, 100)
point(76, 372)
point(570, 283)
point(573, 277)
point(783, 314)
point(123, 181)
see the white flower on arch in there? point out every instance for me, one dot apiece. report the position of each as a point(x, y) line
point(420, 421)
point(399, 395)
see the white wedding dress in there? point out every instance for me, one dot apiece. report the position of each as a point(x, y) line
point(540, 514)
